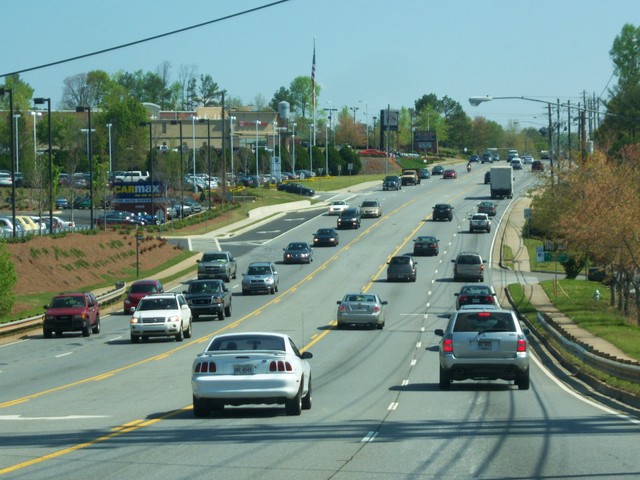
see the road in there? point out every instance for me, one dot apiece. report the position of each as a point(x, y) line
point(101, 407)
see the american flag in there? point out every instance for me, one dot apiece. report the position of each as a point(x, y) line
point(313, 78)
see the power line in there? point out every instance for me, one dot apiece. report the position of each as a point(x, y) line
point(144, 40)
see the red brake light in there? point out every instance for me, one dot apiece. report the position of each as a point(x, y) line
point(342, 309)
point(280, 366)
point(205, 367)
point(376, 309)
point(447, 345)
point(484, 314)
point(521, 346)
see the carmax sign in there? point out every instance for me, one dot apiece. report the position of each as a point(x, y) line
point(136, 196)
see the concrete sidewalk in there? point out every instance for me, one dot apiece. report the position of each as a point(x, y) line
point(510, 235)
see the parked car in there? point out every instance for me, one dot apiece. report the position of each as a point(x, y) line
point(402, 267)
point(449, 173)
point(7, 226)
point(72, 312)
point(437, 170)
point(6, 180)
point(468, 266)
point(337, 207)
point(425, 245)
point(161, 315)
point(483, 345)
point(370, 208)
point(82, 202)
point(326, 236)
point(443, 211)
point(298, 252)
point(476, 295)
point(62, 203)
point(260, 277)
point(488, 207)
point(208, 297)
point(349, 218)
point(391, 182)
point(221, 265)
point(296, 188)
point(251, 368)
point(117, 218)
point(138, 290)
point(361, 309)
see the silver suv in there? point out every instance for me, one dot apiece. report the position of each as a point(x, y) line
point(484, 344)
point(468, 266)
point(260, 277)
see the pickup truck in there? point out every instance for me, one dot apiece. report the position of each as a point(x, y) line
point(479, 221)
point(221, 265)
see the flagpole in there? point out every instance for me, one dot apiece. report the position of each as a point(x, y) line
point(313, 90)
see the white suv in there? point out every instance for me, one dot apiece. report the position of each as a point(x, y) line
point(161, 315)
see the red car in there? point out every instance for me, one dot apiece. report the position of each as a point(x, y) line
point(72, 312)
point(450, 173)
point(372, 152)
point(138, 290)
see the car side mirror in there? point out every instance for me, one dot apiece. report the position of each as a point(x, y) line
point(384, 302)
point(184, 292)
point(439, 332)
point(453, 261)
point(306, 355)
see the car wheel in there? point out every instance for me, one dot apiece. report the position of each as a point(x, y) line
point(180, 334)
point(86, 329)
point(189, 331)
point(306, 400)
point(96, 327)
point(245, 292)
point(272, 290)
point(221, 315)
point(380, 326)
point(227, 279)
point(227, 310)
point(200, 407)
point(47, 333)
point(523, 381)
point(488, 230)
point(294, 406)
point(135, 338)
point(445, 380)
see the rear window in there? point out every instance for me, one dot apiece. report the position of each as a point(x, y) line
point(469, 260)
point(369, 204)
point(247, 342)
point(484, 321)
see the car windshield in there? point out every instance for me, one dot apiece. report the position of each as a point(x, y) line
point(360, 298)
point(469, 260)
point(325, 231)
point(212, 257)
point(348, 212)
point(247, 342)
point(484, 321)
point(157, 304)
point(205, 287)
point(144, 288)
point(258, 270)
point(67, 302)
point(297, 246)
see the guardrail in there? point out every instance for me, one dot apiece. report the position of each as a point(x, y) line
point(619, 369)
point(104, 299)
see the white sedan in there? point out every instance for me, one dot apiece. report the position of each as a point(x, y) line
point(251, 368)
point(337, 207)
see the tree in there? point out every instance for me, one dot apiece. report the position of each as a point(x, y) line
point(625, 53)
point(208, 91)
point(348, 132)
point(186, 75)
point(282, 95)
point(8, 281)
point(300, 91)
point(259, 102)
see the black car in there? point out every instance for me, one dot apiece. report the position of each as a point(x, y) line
point(425, 245)
point(437, 170)
point(474, 158)
point(298, 252)
point(487, 158)
point(443, 211)
point(424, 174)
point(402, 267)
point(326, 236)
point(487, 177)
point(349, 218)
point(297, 189)
point(488, 207)
point(208, 297)
point(391, 182)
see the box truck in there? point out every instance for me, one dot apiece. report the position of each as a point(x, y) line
point(502, 182)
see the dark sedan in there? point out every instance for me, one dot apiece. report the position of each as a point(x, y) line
point(425, 245)
point(349, 218)
point(298, 252)
point(490, 208)
point(208, 297)
point(296, 188)
point(437, 170)
point(326, 237)
point(118, 218)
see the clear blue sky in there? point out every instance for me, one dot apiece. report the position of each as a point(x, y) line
point(369, 53)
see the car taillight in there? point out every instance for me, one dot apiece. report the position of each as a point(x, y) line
point(463, 298)
point(521, 345)
point(342, 308)
point(447, 345)
point(489, 299)
point(280, 366)
point(205, 367)
point(376, 309)
point(481, 267)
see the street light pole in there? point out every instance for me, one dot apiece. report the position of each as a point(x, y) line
point(193, 150)
point(151, 169)
point(257, 123)
point(16, 116)
point(326, 149)
point(179, 123)
point(35, 141)
point(109, 125)
point(293, 135)
point(90, 149)
point(231, 119)
point(40, 101)
point(310, 148)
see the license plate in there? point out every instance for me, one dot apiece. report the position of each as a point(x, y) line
point(243, 369)
point(484, 344)
point(475, 300)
